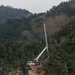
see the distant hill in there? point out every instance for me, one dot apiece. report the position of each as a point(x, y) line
point(26, 29)
point(32, 27)
point(8, 12)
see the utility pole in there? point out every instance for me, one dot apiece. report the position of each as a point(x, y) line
point(35, 67)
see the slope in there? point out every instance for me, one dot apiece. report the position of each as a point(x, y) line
point(32, 27)
point(8, 12)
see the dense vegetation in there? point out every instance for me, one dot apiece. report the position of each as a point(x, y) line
point(14, 51)
point(12, 29)
point(8, 12)
point(62, 51)
point(63, 8)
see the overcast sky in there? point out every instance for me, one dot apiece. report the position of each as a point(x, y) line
point(34, 6)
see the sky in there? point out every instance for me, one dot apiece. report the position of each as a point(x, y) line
point(34, 6)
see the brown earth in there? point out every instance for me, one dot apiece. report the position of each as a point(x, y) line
point(36, 70)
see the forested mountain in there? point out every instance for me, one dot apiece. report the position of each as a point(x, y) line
point(8, 12)
point(14, 29)
point(23, 39)
point(32, 27)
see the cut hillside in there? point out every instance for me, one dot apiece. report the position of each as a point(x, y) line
point(52, 24)
point(55, 19)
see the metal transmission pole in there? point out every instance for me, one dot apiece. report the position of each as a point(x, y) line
point(46, 48)
point(36, 60)
point(46, 37)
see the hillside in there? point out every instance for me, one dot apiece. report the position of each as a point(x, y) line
point(8, 12)
point(55, 19)
point(23, 39)
point(32, 27)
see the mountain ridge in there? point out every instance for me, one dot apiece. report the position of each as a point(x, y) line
point(8, 12)
point(34, 24)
